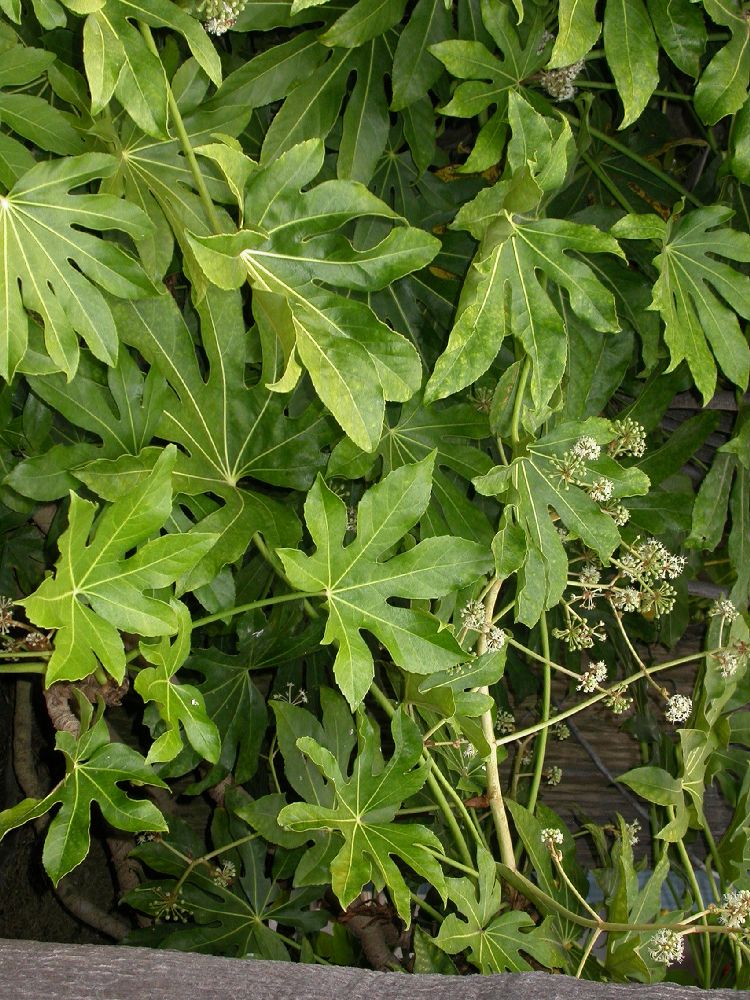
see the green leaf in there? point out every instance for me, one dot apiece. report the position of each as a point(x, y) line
point(58, 266)
point(681, 30)
point(98, 588)
point(117, 58)
point(533, 485)
point(364, 808)
point(699, 296)
point(577, 32)
point(229, 432)
point(412, 435)
point(94, 769)
point(415, 69)
point(722, 88)
point(365, 124)
point(504, 293)
point(488, 78)
point(177, 703)
point(234, 920)
point(632, 54)
point(365, 20)
point(653, 784)
point(358, 579)
point(494, 941)
point(123, 414)
point(291, 249)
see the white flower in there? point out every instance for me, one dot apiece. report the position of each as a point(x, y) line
point(593, 677)
point(470, 751)
point(559, 82)
point(551, 836)
point(495, 638)
point(473, 616)
point(725, 609)
point(620, 515)
point(736, 908)
point(679, 707)
point(601, 490)
point(590, 574)
point(554, 775)
point(728, 662)
point(587, 449)
point(666, 946)
point(631, 832)
point(627, 599)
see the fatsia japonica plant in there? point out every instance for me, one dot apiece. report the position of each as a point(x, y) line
point(349, 349)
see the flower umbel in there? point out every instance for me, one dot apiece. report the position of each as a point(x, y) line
point(735, 908)
point(666, 946)
point(679, 707)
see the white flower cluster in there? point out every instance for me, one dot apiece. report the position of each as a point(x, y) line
point(666, 946)
point(495, 638)
point(225, 875)
point(559, 82)
point(724, 609)
point(554, 775)
point(220, 16)
point(601, 490)
point(618, 701)
point(651, 560)
point(736, 908)
point(586, 449)
point(473, 616)
point(580, 634)
point(631, 832)
point(630, 438)
point(728, 661)
point(679, 707)
point(593, 677)
point(551, 837)
point(6, 614)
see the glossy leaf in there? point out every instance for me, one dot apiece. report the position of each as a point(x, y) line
point(98, 588)
point(94, 768)
point(39, 247)
point(365, 805)
point(358, 579)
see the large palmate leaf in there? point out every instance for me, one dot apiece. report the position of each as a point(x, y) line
point(178, 704)
point(365, 806)
point(357, 580)
point(494, 940)
point(123, 414)
point(413, 434)
point(698, 294)
point(99, 588)
point(508, 291)
point(533, 485)
point(94, 767)
point(289, 250)
point(229, 432)
point(488, 80)
point(52, 267)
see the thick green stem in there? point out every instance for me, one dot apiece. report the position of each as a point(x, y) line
point(698, 897)
point(494, 788)
point(251, 606)
point(23, 668)
point(540, 746)
point(184, 138)
point(518, 401)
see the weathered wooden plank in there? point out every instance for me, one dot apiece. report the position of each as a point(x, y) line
point(30, 970)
